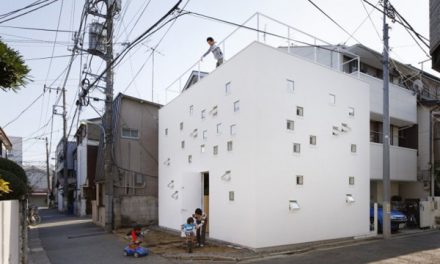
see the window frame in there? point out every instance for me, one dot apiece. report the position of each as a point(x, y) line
point(130, 130)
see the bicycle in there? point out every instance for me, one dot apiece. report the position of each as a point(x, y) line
point(33, 218)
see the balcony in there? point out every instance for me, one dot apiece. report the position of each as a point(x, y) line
point(403, 103)
point(403, 163)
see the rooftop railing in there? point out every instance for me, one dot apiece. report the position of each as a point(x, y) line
point(262, 28)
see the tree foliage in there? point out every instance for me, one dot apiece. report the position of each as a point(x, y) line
point(13, 70)
point(16, 186)
point(14, 168)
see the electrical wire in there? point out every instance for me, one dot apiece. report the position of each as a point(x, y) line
point(39, 29)
point(331, 19)
point(30, 11)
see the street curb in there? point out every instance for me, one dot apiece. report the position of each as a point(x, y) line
point(35, 250)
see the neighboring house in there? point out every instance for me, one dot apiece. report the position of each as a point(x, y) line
point(413, 95)
point(85, 157)
point(16, 153)
point(63, 203)
point(273, 147)
point(135, 157)
point(434, 36)
point(37, 177)
point(5, 144)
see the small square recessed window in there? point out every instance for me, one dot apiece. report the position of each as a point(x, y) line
point(229, 146)
point(351, 111)
point(219, 128)
point(290, 125)
point(332, 99)
point(335, 131)
point(351, 180)
point(349, 198)
point(203, 114)
point(353, 148)
point(228, 88)
point(190, 158)
point(191, 110)
point(299, 111)
point(294, 205)
point(231, 196)
point(290, 86)
point(296, 147)
point(202, 148)
point(181, 125)
point(182, 144)
point(233, 129)
point(166, 131)
point(299, 180)
point(215, 150)
point(312, 140)
point(195, 133)
point(214, 111)
point(205, 134)
point(236, 106)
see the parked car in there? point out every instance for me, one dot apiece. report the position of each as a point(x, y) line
point(398, 219)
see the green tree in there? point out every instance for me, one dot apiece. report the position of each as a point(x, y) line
point(13, 70)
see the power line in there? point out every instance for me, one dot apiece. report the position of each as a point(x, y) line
point(51, 57)
point(334, 21)
point(23, 8)
point(30, 11)
point(39, 29)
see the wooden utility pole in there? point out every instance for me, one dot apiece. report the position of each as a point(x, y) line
point(49, 189)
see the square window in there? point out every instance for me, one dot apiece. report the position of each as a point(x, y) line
point(191, 110)
point(351, 111)
point(219, 128)
point(181, 125)
point(351, 180)
point(195, 133)
point(139, 179)
point(215, 150)
point(290, 86)
point(332, 99)
point(290, 125)
point(229, 146)
point(231, 196)
point(299, 180)
point(294, 205)
point(299, 111)
point(182, 144)
point(205, 134)
point(190, 158)
point(312, 140)
point(166, 131)
point(233, 129)
point(214, 111)
point(203, 114)
point(353, 148)
point(236, 106)
point(202, 148)
point(296, 147)
point(228, 88)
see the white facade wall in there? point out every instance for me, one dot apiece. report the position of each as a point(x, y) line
point(9, 231)
point(262, 163)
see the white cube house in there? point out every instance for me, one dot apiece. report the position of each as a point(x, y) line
point(276, 150)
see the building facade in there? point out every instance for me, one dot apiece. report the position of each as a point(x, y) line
point(65, 201)
point(273, 154)
point(16, 152)
point(5, 144)
point(85, 158)
point(37, 177)
point(434, 35)
point(134, 165)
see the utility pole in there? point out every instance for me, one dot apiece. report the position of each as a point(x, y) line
point(386, 209)
point(65, 176)
point(108, 164)
point(49, 190)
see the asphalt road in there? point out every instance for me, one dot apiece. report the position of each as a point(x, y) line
point(76, 240)
point(417, 248)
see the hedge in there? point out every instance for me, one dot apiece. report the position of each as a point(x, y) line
point(16, 185)
point(14, 168)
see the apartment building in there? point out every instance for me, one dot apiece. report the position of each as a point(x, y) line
point(434, 33)
point(273, 154)
point(16, 152)
point(65, 201)
point(134, 159)
point(414, 95)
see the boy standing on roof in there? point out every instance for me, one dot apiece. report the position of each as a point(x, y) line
point(216, 51)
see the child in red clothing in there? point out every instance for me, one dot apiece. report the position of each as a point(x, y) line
point(136, 236)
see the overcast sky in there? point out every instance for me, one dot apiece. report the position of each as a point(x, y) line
point(181, 47)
